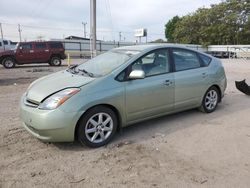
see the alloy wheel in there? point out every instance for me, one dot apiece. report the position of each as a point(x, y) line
point(211, 99)
point(99, 127)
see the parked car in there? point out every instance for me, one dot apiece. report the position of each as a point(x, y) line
point(6, 45)
point(91, 101)
point(33, 52)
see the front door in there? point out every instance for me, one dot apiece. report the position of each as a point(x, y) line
point(25, 53)
point(153, 95)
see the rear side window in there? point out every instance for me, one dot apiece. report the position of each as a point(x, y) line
point(40, 45)
point(27, 46)
point(185, 59)
point(205, 59)
point(55, 45)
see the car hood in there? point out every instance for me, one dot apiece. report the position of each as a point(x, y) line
point(45, 86)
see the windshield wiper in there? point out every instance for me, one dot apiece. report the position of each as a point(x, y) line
point(86, 72)
point(72, 69)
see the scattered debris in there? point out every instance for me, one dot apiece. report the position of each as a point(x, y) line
point(204, 181)
point(243, 86)
point(40, 70)
point(120, 144)
point(78, 181)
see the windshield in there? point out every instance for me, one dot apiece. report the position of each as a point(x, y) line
point(16, 46)
point(105, 63)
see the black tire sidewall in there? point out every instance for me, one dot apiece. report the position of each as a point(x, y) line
point(83, 122)
point(6, 59)
point(204, 100)
point(52, 61)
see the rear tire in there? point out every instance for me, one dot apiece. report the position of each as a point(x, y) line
point(9, 62)
point(97, 127)
point(55, 61)
point(210, 100)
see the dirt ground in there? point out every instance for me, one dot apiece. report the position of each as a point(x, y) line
point(188, 149)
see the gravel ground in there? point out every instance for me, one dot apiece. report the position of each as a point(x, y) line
point(188, 149)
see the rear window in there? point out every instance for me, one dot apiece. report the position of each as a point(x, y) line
point(13, 43)
point(40, 45)
point(55, 45)
point(205, 59)
point(185, 59)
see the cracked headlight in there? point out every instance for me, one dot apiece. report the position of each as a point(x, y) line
point(58, 99)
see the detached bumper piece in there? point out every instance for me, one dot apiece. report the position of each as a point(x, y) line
point(243, 87)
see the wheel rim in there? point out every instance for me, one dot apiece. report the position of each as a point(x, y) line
point(9, 63)
point(99, 127)
point(56, 62)
point(211, 99)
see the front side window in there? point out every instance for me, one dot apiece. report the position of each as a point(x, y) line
point(40, 45)
point(27, 46)
point(154, 63)
point(185, 59)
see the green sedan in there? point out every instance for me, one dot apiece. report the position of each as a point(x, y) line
point(92, 101)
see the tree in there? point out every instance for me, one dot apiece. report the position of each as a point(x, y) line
point(225, 23)
point(170, 27)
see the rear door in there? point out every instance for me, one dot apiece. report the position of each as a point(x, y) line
point(41, 52)
point(25, 53)
point(191, 78)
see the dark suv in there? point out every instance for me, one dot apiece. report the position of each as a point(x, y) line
point(33, 52)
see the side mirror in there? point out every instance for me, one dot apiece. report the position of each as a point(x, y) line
point(20, 48)
point(137, 74)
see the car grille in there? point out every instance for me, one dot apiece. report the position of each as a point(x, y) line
point(31, 103)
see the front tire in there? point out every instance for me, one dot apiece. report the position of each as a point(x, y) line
point(97, 127)
point(210, 100)
point(9, 62)
point(55, 61)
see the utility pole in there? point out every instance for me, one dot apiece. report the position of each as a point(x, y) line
point(84, 29)
point(2, 36)
point(93, 27)
point(120, 36)
point(20, 32)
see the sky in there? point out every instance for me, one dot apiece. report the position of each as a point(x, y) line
point(56, 19)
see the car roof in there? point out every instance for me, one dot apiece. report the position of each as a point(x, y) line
point(150, 47)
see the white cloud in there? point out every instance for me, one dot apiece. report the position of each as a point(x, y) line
point(112, 16)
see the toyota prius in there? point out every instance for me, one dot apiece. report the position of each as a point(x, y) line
point(90, 102)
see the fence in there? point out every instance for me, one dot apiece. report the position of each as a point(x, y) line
point(81, 48)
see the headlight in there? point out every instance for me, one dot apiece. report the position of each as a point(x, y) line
point(58, 99)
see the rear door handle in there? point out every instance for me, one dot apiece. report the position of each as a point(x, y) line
point(167, 82)
point(204, 75)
